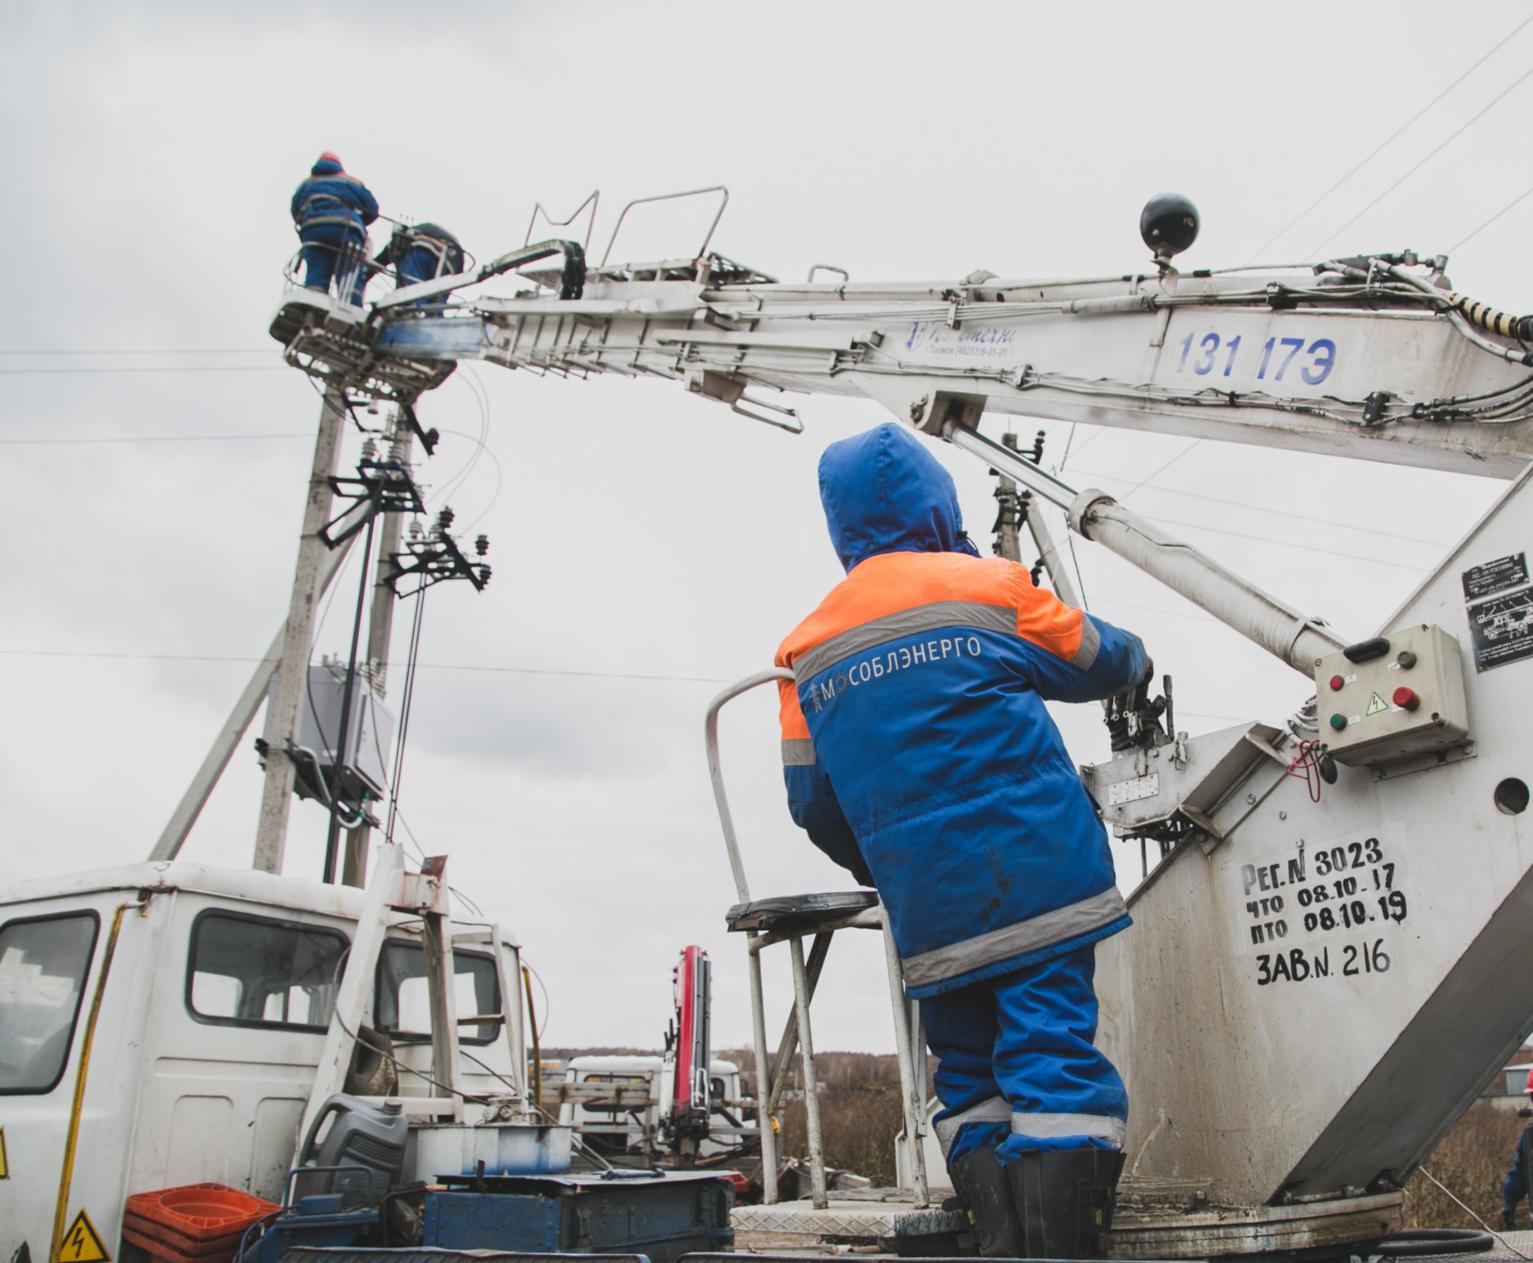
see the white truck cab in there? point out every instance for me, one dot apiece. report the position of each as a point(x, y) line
point(161, 1024)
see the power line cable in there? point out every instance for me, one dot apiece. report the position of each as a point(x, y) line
point(1393, 136)
point(176, 368)
point(1453, 249)
point(1144, 482)
point(1431, 153)
point(1258, 508)
point(492, 669)
point(156, 438)
point(1288, 543)
point(1075, 562)
point(144, 350)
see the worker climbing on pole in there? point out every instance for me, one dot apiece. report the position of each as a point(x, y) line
point(421, 252)
point(331, 211)
point(918, 753)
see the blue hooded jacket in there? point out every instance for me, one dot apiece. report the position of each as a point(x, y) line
point(917, 748)
point(331, 197)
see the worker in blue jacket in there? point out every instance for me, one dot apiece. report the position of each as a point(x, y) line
point(331, 211)
point(919, 753)
point(1515, 1187)
point(422, 252)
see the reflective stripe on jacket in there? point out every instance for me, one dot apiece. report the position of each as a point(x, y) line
point(916, 744)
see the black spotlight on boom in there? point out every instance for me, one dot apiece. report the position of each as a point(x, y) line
point(1168, 224)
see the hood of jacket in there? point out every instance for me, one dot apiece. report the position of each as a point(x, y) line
point(883, 492)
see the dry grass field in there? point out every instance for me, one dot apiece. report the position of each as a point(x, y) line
point(1471, 1160)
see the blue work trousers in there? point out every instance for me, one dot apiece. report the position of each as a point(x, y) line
point(421, 263)
point(1017, 1068)
point(333, 252)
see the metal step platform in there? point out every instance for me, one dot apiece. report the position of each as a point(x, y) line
point(1153, 1220)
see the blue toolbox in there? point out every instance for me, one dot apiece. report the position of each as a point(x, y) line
point(660, 1214)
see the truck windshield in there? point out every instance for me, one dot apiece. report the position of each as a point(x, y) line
point(43, 963)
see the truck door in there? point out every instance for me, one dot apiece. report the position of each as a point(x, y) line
point(45, 966)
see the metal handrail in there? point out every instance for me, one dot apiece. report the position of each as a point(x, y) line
point(906, 1016)
point(827, 267)
point(716, 774)
point(669, 197)
point(593, 199)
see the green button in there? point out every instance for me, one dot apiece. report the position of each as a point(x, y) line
point(1338, 722)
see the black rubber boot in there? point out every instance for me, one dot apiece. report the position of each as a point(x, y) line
point(980, 1182)
point(1063, 1200)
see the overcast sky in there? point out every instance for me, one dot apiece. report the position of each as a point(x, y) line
point(649, 546)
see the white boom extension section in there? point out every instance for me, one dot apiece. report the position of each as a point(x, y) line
point(1344, 359)
point(1367, 359)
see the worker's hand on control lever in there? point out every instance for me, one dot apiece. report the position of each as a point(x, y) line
point(1132, 718)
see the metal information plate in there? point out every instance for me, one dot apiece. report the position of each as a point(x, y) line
point(1502, 629)
point(1495, 576)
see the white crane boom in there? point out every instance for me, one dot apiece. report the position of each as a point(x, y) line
point(1371, 358)
point(1317, 979)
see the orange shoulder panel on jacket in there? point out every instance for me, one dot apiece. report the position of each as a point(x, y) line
point(891, 582)
point(1049, 623)
point(789, 713)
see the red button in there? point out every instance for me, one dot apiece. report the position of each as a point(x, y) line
point(1337, 683)
point(1405, 698)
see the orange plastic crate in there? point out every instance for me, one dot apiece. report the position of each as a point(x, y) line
point(195, 1223)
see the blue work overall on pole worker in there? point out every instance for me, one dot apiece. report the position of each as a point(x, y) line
point(422, 252)
point(919, 754)
point(331, 211)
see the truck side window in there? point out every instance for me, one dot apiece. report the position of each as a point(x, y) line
point(402, 1005)
point(253, 971)
point(43, 964)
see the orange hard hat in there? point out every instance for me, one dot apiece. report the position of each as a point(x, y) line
point(331, 156)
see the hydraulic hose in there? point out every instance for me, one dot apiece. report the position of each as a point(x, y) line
point(1413, 1243)
point(1491, 319)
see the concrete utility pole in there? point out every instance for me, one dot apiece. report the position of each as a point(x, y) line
point(380, 629)
point(1008, 498)
point(282, 714)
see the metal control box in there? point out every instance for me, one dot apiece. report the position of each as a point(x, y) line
point(1396, 697)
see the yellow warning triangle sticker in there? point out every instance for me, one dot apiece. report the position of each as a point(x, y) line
point(5, 1163)
point(82, 1243)
point(1376, 704)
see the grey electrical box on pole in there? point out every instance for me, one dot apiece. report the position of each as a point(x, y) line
point(282, 711)
point(362, 768)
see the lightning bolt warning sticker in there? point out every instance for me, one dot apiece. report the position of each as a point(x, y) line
point(82, 1243)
